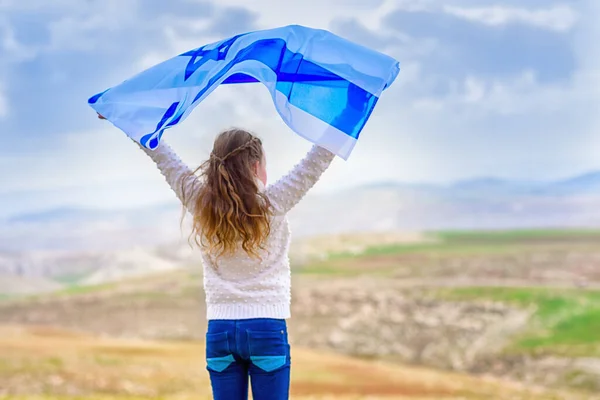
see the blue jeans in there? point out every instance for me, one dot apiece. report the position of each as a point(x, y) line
point(250, 348)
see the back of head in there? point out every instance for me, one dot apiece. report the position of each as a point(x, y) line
point(231, 211)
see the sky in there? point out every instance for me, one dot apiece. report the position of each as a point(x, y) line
point(501, 88)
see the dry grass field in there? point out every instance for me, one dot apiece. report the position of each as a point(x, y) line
point(49, 363)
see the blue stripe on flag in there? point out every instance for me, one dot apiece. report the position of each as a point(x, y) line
point(168, 114)
point(335, 101)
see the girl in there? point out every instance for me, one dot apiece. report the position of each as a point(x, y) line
point(241, 228)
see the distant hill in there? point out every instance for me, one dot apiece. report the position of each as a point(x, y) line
point(583, 184)
point(483, 203)
point(14, 285)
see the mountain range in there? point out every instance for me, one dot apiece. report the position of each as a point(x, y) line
point(93, 246)
point(483, 203)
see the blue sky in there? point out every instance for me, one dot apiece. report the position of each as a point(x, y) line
point(486, 88)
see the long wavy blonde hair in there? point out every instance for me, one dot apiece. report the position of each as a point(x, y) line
point(230, 210)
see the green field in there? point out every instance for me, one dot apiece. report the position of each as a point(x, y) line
point(489, 242)
point(416, 257)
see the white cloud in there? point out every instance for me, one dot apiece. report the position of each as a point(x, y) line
point(521, 94)
point(73, 160)
point(11, 50)
point(483, 126)
point(79, 33)
point(3, 103)
point(558, 18)
point(313, 13)
point(589, 59)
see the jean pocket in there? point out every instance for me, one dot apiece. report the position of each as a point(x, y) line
point(269, 350)
point(218, 355)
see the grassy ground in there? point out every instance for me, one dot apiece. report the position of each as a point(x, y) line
point(490, 242)
point(45, 364)
point(414, 258)
point(59, 365)
point(566, 321)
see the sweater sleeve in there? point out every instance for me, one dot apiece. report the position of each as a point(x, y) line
point(291, 188)
point(178, 175)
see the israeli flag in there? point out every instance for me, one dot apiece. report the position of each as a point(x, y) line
point(323, 86)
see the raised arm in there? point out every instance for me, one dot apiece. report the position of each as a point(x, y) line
point(178, 175)
point(290, 189)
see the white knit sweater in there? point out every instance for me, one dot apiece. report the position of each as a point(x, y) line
point(243, 287)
